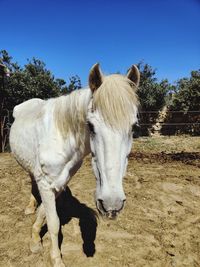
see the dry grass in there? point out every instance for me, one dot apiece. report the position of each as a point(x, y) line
point(168, 144)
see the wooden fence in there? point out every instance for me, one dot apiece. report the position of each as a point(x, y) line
point(168, 122)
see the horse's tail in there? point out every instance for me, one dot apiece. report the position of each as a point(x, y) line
point(26, 107)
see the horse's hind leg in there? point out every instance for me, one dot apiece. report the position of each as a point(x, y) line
point(35, 244)
point(31, 208)
point(35, 198)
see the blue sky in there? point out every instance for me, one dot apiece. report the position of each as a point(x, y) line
point(70, 36)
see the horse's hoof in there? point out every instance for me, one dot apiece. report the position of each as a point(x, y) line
point(36, 247)
point(29, 210)
point(58, 263)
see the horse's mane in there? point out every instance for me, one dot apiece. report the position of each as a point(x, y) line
point(117, 101)
point(70, 114)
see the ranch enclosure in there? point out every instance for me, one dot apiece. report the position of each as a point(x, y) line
point(159, 226)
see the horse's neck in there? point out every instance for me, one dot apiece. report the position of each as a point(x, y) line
point(72, 116)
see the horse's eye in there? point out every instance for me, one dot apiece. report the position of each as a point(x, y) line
point(91, 127)
point(136, 130)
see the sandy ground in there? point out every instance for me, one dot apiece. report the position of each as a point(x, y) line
point(160, 225)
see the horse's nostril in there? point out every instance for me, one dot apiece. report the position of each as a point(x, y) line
point(101, 203)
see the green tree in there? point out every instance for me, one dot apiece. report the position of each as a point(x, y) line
point(75, 84)
point(152, 94)
point(185, 99)
point(186, 95)
point(5, 66)
point(33, 80)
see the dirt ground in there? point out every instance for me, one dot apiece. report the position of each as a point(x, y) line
point(159, 226)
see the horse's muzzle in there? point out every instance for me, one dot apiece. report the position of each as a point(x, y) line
point(108, 212)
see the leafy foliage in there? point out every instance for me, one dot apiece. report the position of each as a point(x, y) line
point(33, 80)
point(152, 94)
point(75, 84)
point(186, 95)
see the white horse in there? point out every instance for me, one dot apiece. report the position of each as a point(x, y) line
point(51, 138)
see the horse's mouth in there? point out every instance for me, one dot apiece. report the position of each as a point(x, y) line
point(110, 214)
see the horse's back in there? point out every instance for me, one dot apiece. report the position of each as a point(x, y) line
point(28, 108)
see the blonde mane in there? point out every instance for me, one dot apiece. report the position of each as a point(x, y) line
point(116, 100)
point(70, 115)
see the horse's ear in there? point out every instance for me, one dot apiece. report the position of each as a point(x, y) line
point(134, 75)
point(95, 77)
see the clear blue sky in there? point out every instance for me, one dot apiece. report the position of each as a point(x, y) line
point(70, 36)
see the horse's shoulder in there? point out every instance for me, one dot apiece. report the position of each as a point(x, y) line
point(27, 106)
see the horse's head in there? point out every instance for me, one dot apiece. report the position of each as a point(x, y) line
point(112, 113)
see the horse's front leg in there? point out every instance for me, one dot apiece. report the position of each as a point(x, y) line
point(51, 180)
point(35, 244)
point(53, 223)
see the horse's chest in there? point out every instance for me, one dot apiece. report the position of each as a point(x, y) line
point(51, 162)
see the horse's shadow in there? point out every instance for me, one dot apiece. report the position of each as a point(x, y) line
point(69, 207)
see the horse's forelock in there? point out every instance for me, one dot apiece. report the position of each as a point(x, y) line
point(116, 100)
